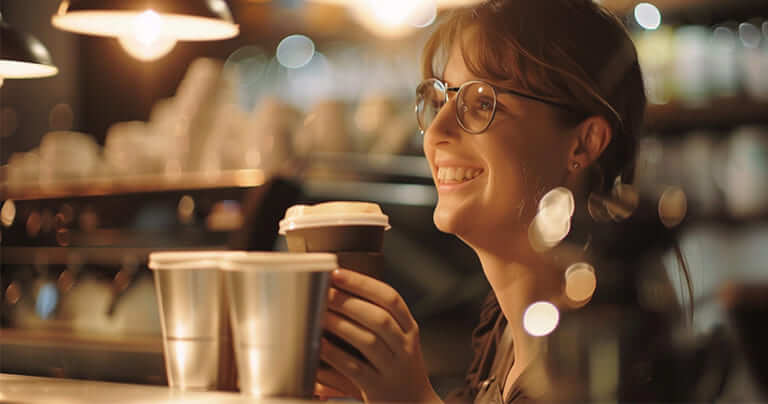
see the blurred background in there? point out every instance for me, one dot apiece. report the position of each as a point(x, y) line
point(144, 143)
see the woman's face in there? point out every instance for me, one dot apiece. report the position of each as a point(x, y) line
point(489, 184)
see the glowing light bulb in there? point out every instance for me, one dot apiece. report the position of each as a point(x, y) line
point(648, 16)
point(540, 319)
point(148, 40)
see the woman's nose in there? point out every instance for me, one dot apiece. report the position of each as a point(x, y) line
point(444, 126)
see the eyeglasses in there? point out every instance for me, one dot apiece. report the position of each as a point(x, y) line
point(475, 103)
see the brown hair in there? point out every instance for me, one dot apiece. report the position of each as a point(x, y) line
point(568, 51)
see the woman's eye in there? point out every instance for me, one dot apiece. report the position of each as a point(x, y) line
point(484, 105)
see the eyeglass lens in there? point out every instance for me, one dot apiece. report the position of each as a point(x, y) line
point(430, 97)
point(475, 104)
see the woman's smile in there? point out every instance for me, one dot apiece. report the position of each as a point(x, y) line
point(454, 175)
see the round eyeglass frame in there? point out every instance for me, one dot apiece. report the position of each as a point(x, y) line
point(445, 89)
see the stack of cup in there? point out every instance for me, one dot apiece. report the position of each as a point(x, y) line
point(194, 319)
point(275, 304)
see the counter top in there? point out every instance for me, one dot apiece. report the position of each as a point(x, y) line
point(18, 389)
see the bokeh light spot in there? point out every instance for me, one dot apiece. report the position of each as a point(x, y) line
point(186, 209)
point(648, 16)
point(673, 205)
point(541, 318)
point(295, 51)
point(8, 213)
point(750, 35)
point(47, 299)
point(580, 282)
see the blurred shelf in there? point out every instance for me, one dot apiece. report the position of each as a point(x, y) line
point(135, 184)
point(373, 165)
point(115, 256)
point(382, 193)
point(89, 341)
point(328, 167)
point(722, 113)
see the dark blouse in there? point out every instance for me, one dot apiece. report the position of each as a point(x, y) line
point(492, 360)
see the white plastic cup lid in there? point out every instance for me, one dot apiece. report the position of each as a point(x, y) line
point(198, 259)
point(333, 214)
point(281, 261)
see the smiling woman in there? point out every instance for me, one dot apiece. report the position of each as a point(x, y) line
point(527, 109)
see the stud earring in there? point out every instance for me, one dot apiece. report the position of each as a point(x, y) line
point(575, 165)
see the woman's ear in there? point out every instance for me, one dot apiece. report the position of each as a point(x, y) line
point(592, 137)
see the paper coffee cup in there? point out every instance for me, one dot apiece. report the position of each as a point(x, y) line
point(352, 230)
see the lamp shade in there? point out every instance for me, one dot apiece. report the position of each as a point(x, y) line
point(185, 20)
point(22, 55)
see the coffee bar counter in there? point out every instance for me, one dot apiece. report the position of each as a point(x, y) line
point(17, 389)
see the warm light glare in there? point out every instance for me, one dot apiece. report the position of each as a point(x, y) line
point(149, 38)
point(424, 14)
point(253, 355)
point(250, 177)
point(11, 69)
point(8, 213)
point(386, 18)
point(181, 351)
point(121, 23)
point(391, 12)
point(295, 51)
point(648, 16)
point(541, 318)
point(580, 282)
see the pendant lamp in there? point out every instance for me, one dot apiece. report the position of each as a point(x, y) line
point(22, 55)
point(148, 29)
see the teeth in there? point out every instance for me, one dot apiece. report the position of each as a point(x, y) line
point(457, 174)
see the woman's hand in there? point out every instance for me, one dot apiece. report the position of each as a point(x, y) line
point(371, 316)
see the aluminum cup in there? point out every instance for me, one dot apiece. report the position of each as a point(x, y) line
point(277, 303)
point(193, 315)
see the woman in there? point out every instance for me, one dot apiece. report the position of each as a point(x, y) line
point(520, 97)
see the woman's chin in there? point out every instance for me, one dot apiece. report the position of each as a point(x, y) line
point(449, 221)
